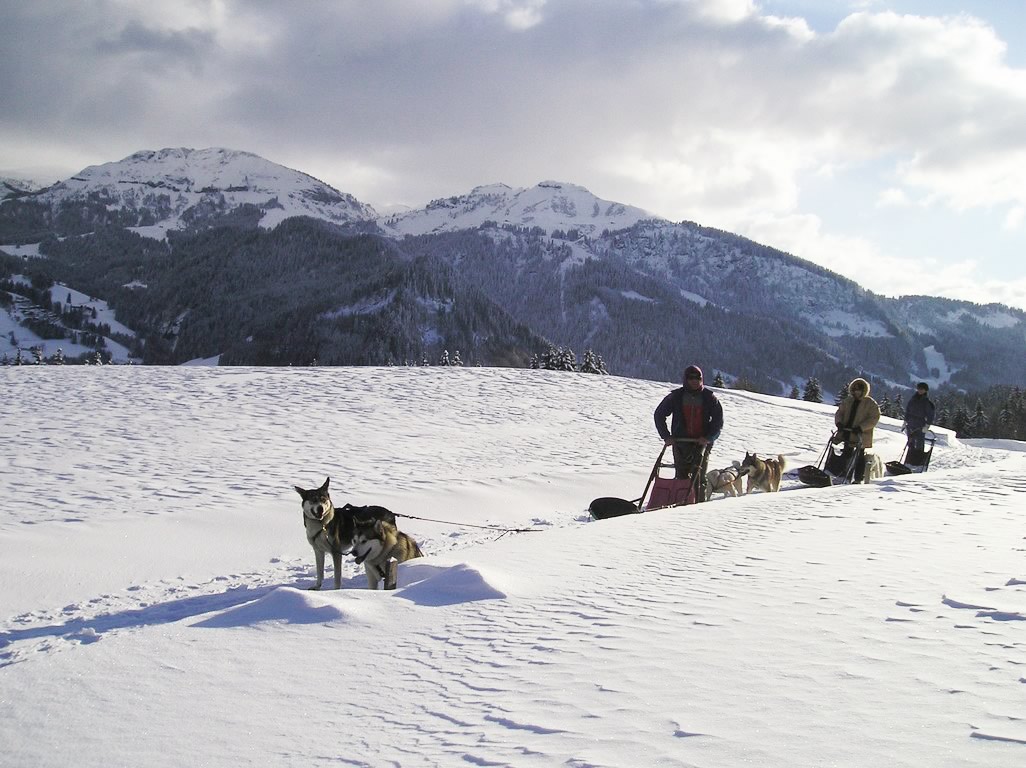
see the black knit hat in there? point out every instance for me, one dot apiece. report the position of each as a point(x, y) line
point(923, 385)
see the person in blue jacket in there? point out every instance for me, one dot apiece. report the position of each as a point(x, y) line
point(695, 412)
point(919, 415)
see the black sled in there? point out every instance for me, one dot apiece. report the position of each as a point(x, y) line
point(666, 491)
point(845, 464)
point(912, 459)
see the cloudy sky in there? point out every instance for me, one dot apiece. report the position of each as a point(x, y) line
point(884, 139)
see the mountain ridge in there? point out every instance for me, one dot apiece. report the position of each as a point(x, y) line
point(574, 268)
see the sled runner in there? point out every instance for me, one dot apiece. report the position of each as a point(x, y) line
point(665, 491)
point(845, 464)
point(912, 459)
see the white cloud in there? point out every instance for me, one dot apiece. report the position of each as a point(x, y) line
point(518, 14)
point(1015, 217)
point(893, 197)
point(722, 11)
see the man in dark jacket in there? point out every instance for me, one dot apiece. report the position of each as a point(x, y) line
point(919, 415)
point(696, 413)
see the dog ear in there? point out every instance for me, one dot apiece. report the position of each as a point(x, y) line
point(300, 491)
point(325, 486)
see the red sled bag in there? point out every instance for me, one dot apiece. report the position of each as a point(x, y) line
point(671, 492)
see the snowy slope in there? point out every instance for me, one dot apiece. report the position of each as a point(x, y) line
point(153, 610)
point(550, 205)
point(14, 336)
point(188, 178)
point(15, 187)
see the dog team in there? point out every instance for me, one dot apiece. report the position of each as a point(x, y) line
point(696, 419)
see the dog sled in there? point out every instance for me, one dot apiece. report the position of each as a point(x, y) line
point(665, 491)
point(913, 459)
point(844, 464)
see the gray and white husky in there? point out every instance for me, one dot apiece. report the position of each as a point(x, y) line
point(375, 542)
point(329, 529)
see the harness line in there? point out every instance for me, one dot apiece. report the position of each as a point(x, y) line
point(471, 525)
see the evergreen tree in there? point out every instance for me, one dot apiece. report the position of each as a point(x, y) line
point(593, 363)
point(885, 406)
point(718, 380)
point(547, 361)
point(979, 422)
point(959, 420)
point(444, 359)
point(744, 384)
point(795, 394)
point(456, 359)
point(813, 393)
point(1006, 422)
point(567, 360)
point(841, 394)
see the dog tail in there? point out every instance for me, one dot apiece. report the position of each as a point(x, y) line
point(782, 461)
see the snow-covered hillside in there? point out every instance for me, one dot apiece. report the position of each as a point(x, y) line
point(550, 205)
point(170, 182)
point(153, 603)
point(14, 187)
point(16, 337)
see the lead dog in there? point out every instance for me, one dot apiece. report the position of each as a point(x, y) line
point(329, 530)
point(764, 474)
point(726, 481)
point(375, 542)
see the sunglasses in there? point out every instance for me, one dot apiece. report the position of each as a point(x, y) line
point(693, 377)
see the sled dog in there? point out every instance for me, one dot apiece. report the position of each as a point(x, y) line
point(726, 481)
point(375, 542)
point(329, 529)
point(763, 474)
point(874, 467)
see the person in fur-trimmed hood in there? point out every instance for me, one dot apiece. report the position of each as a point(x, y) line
point(857, 414)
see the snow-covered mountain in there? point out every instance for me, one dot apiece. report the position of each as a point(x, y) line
point(11, 187)
point(171, 187)
point(550, 205)
point(494, 273)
